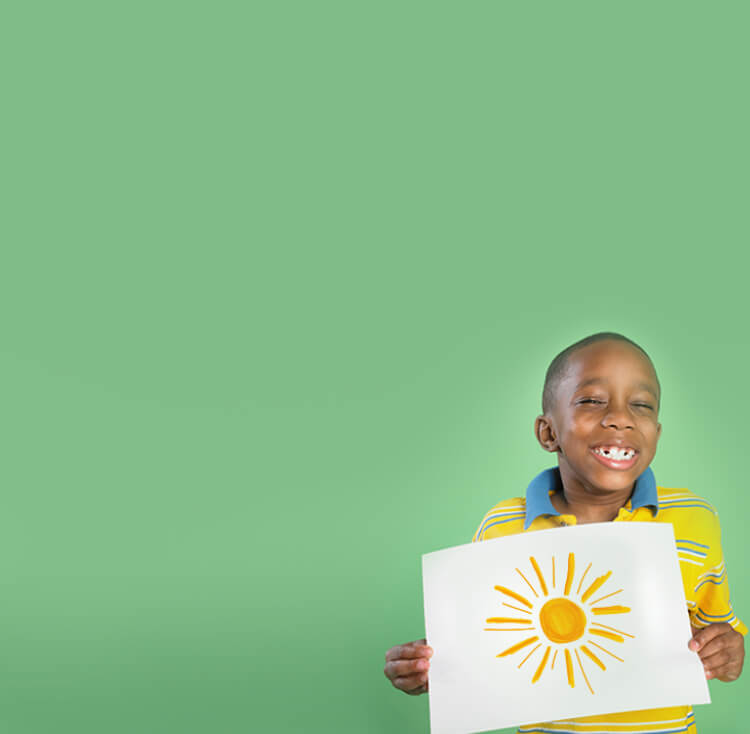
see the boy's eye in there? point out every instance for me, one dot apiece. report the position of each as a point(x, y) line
point(594, 401)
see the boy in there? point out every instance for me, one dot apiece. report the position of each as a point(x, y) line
point(600, 407)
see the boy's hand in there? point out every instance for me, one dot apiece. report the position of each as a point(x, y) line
point(721, 649)
point(406, 666)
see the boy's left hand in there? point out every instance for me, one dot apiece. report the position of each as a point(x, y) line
point(721, 649)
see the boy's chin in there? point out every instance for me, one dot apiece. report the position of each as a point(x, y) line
point(616, 487)
point(614, 481)
point(603, 479)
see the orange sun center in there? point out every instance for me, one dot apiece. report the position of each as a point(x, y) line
point(562, 620)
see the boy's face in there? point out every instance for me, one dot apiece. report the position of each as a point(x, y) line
point(603, 422)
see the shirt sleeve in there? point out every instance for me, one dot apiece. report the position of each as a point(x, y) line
point(477, 535)
point(505, 518)
point(712, 604)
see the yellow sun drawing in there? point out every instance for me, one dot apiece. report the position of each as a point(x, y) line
point(566, 621)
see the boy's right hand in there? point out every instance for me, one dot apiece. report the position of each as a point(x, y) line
point(406, 666)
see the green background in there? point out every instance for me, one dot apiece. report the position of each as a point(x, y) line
point(279, 285)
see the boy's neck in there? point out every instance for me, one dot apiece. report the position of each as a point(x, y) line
point(588, 505)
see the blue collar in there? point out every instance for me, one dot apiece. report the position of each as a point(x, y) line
point(538, 501)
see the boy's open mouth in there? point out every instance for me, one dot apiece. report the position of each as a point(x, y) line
point(615, 457)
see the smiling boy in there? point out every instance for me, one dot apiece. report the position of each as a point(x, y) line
point(600, 409)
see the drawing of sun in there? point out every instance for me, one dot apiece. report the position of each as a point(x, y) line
point(562, 620)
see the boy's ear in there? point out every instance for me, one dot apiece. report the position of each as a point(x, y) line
point(545, 433)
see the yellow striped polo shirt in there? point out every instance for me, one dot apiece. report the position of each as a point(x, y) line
point(704, 577)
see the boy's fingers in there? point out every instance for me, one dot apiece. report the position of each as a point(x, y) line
point(398, 668)
point(411, 683)
point(704, 636)
point(417, 649)
point(711, 648)
point(726, 673)
point(717, 660)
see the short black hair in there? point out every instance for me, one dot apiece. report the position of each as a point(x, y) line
point(559, 363)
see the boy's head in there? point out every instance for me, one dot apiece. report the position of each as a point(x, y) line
point(600, 412)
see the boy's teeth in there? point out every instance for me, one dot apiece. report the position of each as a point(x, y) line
point(614, 453)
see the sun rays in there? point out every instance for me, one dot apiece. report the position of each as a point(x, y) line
point(560, 621)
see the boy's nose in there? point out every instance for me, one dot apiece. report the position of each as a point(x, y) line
point(617, 418)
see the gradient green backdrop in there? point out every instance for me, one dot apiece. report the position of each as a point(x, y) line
point(279, 285)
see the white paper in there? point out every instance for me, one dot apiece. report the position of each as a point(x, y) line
point(472, 689)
